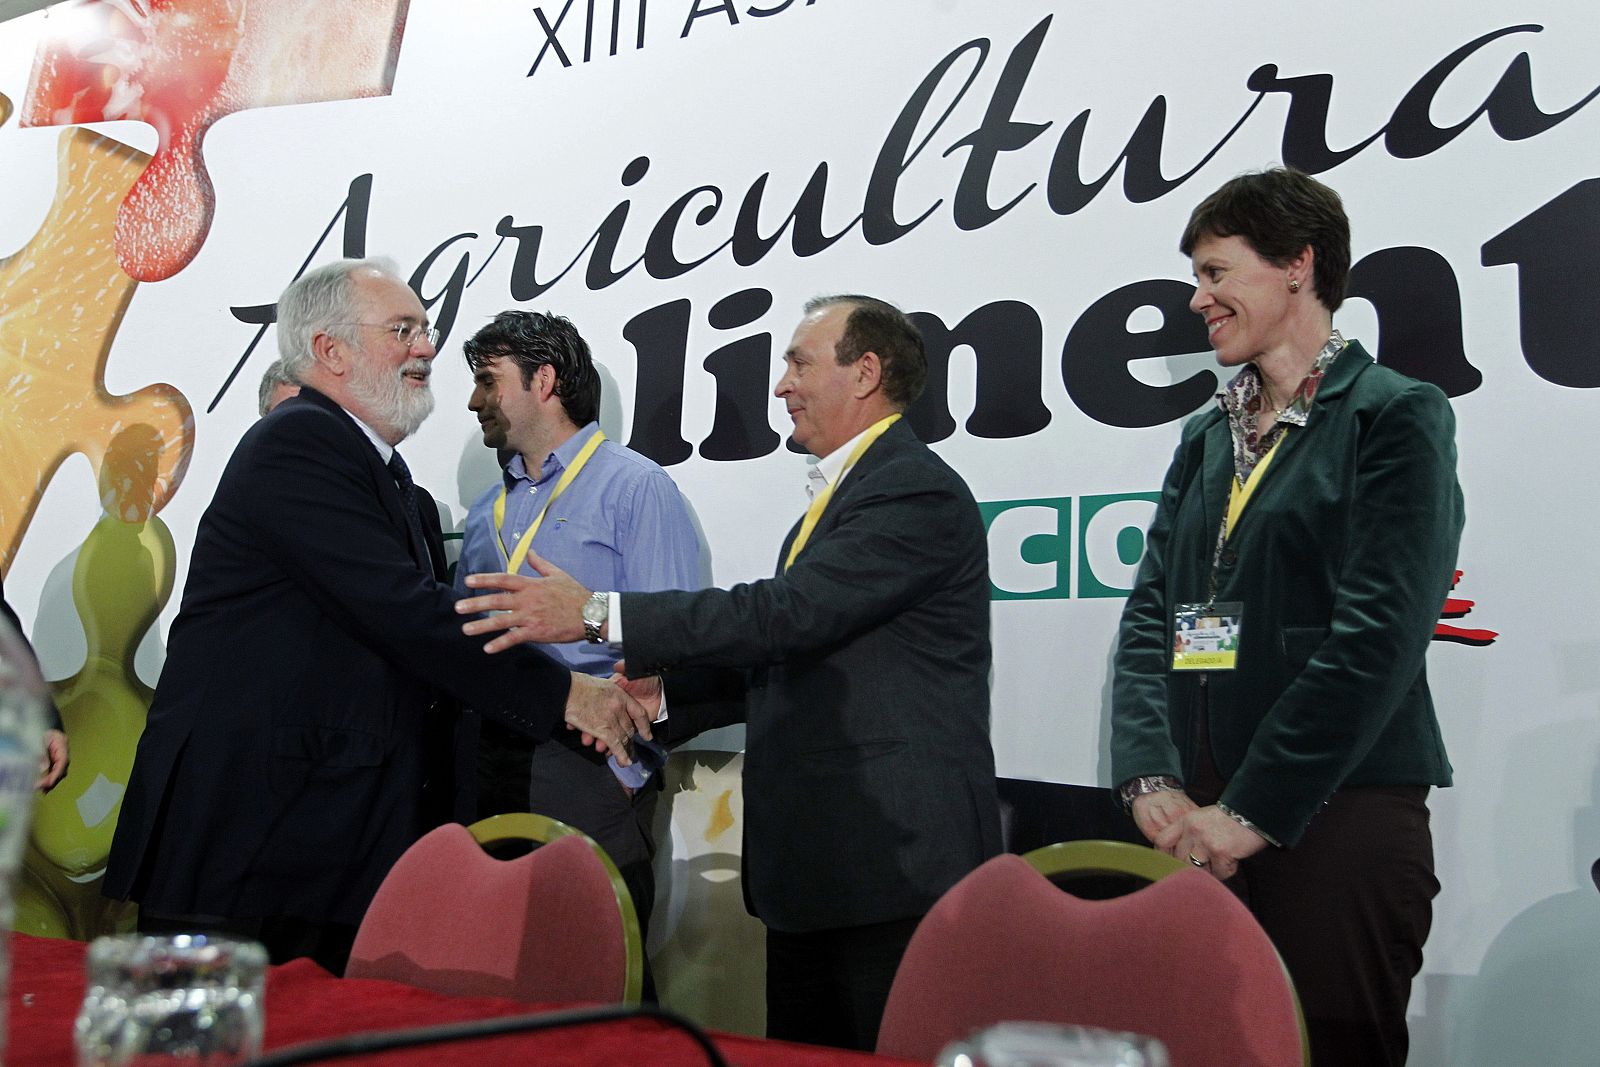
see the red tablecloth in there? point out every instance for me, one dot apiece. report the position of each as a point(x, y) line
point(306, 1003)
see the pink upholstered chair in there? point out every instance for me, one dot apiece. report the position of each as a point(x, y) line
point(546, 926)
point(1180, 959)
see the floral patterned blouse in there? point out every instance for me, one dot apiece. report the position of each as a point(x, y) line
point(1244, 402)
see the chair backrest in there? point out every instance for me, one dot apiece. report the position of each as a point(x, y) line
point(1102, 857)
point(541, 829)
point(1181, 959)
point(543, 927)
point(1090, 858)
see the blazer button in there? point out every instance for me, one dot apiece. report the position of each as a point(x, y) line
point(1229, 557)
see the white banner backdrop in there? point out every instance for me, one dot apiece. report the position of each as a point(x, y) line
point(1018, 173)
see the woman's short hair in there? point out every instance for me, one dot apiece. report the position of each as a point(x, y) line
point(1278, 212)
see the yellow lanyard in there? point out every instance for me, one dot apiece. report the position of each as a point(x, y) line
point(1238, 497)
point(814, 512)
point(514, 561)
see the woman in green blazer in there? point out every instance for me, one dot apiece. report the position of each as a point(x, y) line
point(1271, 717)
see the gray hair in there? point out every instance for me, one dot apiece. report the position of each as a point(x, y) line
point(271, 378)
point(316, 302)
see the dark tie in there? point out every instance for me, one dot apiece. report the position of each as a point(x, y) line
point(408, 495)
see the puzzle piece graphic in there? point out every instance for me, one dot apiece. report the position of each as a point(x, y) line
point(62, 298)
point(181, 65)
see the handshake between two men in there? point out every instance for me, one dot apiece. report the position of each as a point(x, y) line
point(549, 610)
point(861, 668)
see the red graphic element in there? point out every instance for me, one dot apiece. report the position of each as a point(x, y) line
point(1455, 609)
point(181, 65)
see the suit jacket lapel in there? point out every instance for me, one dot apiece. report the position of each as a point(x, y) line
point(424, 555)
point(1343, 374)
point(1338, 380)
point(1219, 440)
point(434, 535)
point(886, 445)
point(783, 550)
point(1216, 472)
point(388, 489)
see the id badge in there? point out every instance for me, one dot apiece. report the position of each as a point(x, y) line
point(1205, 637)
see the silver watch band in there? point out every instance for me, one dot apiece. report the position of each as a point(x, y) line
point(1247, 824)
point(594, 616)
point(1145, 784)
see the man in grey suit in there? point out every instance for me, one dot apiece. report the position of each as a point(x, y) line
point(864, 663)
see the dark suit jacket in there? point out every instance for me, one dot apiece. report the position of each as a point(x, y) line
point(281, 772)
point(1342, 561)
point(868, 780)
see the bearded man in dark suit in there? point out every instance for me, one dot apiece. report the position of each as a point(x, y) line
point(291, 748)
point(869, 782)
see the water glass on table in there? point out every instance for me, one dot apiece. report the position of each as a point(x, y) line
point(152, 1000)
point(1023, 1044)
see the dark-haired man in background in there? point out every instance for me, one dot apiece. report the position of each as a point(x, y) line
point(605, 514)
point(869, 782)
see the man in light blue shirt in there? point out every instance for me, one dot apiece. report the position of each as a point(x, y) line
point(603, 513)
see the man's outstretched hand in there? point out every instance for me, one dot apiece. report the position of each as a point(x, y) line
point(546, 610)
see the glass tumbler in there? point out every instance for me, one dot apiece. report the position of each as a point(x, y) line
point(1022, 1044)
point(152, 1000)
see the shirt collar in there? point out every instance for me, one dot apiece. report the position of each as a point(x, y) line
point(1244, 403)
point(385, 449)
point(554, 463)
point(829, 470)
point(1243, 399)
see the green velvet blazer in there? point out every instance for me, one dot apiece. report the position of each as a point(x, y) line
point(1342, 561)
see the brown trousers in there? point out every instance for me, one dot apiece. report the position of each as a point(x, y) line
point(1349, 908)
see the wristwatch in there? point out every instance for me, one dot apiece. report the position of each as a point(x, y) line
point(595, 610)
point(1138, 787)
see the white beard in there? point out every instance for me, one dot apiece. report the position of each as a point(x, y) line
point(391, 403)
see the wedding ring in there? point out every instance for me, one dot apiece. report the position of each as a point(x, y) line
point(1196, 862)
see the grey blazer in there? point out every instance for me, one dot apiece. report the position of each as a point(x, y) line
point(869, 783)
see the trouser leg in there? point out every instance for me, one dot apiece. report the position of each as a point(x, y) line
point(1349, 909)
point(829, 987)
point(576, 787)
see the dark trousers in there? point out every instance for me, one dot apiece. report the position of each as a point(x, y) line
point(285, 938)
point(1349, 908)
point(828, 987)
point(572, 784)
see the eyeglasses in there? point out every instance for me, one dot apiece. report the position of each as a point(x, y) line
point(407, 333)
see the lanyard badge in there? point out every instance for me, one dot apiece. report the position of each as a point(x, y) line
point(1205, 637)
point(513, 561)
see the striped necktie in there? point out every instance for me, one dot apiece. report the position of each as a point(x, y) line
point(408, 494)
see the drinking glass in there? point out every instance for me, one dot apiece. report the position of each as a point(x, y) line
point(1050, 1045)
point(152, 1000)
